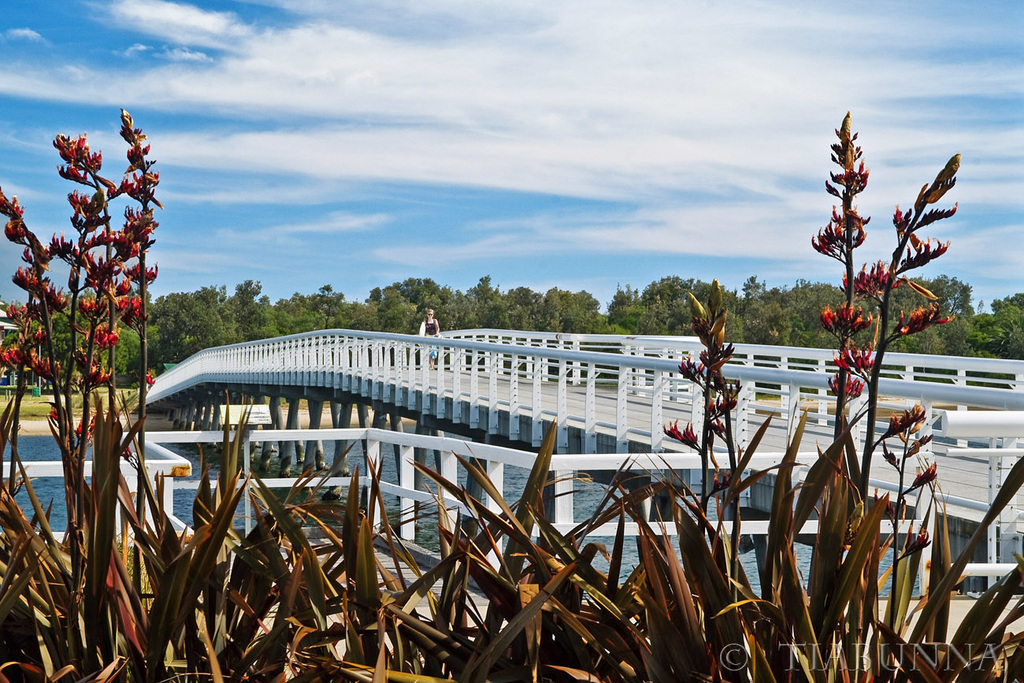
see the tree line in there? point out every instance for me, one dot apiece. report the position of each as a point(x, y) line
point(187, 322)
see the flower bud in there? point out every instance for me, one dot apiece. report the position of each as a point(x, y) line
point(715, 300)
point(696, 308)
point(952, 166)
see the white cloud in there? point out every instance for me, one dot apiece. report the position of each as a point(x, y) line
point(183, 54)
point(135, 49)
point(182, 23)
point(295, 234)
point(25, 34)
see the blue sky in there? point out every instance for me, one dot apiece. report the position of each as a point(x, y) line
point(573, 144)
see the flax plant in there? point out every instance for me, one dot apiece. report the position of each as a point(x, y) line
point(98, 263)
point(859, 364)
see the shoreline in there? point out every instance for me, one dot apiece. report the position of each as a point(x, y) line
point(34, 428)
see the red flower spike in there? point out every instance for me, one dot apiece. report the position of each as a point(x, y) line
point(921, 319)
point(846, 321)
point(686, 437)
point(907, 422)
point(106, 339)
point(856, 361)
point(889, 456)
point(915, 543)
point(720, 484)
point(854, 387)
point(692, 371)
point(923, 478)
point(872, 283)
point(937, 215)
point(920, 253)
point(902, 220)
point(11, 208)
point(890, 509)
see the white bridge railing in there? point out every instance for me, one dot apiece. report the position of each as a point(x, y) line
point(534, 374)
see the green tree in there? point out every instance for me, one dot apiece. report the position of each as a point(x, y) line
point(330, 308)
point(486, 306)
point(250, 311)
point(804, 302)
point(667, 308)
point(625, 311)
point(394, 313)
point(565, 311)
point(190, 322)
point(1004, 329)
point(524, 306)
point(764, 313)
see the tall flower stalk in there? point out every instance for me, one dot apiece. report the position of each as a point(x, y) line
point(139, 184)
point(104, 267)
point(859, 361)
point(906, 427)
point(719, 400)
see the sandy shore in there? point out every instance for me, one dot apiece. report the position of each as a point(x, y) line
point(156, 422)
point(34, 428)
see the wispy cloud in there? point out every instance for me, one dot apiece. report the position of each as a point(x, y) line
point(22, 34)
point(183, 54)
point(183, 23)
point(137, 48)
point(295, 234)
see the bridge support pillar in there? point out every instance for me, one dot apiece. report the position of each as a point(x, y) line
point(204, 417)
point(341, 418)
point(189, 418)
point(272, 448)
point(472, 487)
point(314, 447)
point(215, 415)
point(289, 448)
point(394, 419)
point(363, 414)
point(421, 455)
point(380, 418)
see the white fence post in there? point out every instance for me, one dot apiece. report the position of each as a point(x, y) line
point(513, 398)
point(657, 414)
point(590, 411)
point(407, 480)
point(474, 390)
point(537, 370)
point(562, 408)
point(492, 392)
point(622, 410)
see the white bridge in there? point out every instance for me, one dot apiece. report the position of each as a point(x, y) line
point(608, 395)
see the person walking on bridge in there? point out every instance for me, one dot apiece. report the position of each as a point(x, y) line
point(431, 328)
